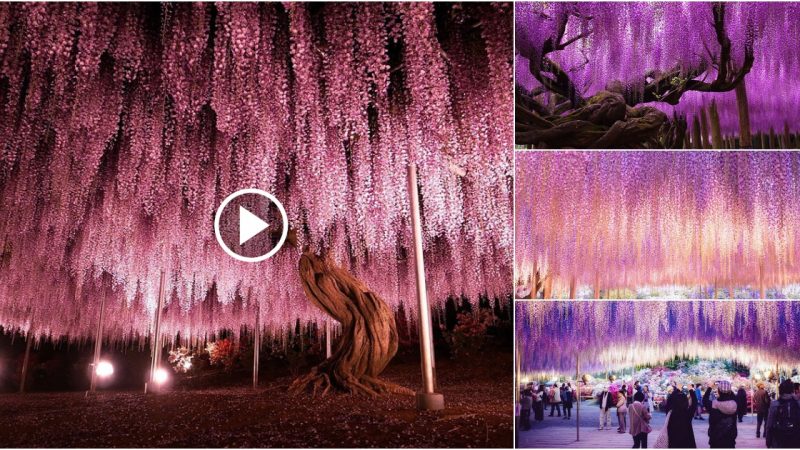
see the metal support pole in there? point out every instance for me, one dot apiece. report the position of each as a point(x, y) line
point(578, 385)
point(26, 359)
point(98, 341)
point(256, 346)
point(426, 399)
point(156, 340)
point(327, 338)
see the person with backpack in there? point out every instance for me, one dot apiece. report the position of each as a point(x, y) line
point(761, 404)
point(722, 430)
point(783, 419)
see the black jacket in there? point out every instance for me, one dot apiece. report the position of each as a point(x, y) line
point(722, 420)
point(741, 402)
point(609, 401)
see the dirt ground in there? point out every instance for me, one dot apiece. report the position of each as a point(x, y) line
point(479, 413)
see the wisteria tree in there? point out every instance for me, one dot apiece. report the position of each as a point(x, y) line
point(122, 127)
point(643, 75)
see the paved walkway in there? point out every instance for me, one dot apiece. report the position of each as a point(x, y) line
point(555, 432)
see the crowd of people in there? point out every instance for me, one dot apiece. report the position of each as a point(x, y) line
point(536, 400)
point(777, 419)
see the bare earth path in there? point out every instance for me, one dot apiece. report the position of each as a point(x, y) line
point(479, 414)
point(555, 432)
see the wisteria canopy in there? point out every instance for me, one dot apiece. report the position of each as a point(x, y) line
point(614, 220)
point(123, 126)
point(676, 57)
point(614, 335)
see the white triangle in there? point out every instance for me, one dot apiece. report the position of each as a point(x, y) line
point(249, 225)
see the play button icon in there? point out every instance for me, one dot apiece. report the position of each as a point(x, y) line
point(249, 225)
point(247, 222)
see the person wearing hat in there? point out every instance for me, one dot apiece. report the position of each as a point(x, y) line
point(761, 407)
point(722, 418)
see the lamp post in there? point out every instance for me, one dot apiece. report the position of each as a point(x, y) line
point(427, 399)
point(156, 341)
point(98, 341)
point(256, 342)
point(578, 407)
point(26, 359)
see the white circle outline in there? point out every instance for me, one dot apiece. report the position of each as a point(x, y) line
point(271, 198)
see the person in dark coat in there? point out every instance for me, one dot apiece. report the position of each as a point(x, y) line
point(672, 392)
point(679, 427)
point(722, 430)
point(566, 399)
point(761, 406)
point(783, 419)
point(605, 401)
point(525, 404)
point(538, 404)
point(741, 403)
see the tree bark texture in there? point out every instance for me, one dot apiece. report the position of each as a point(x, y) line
point(716, 134)
point(745, 139)
point(704, 129)
point(369, 334)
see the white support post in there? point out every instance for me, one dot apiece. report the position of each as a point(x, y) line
point(256, 346)
point(26, 359)
point(427, 399)
point(98, 342)
point(578, 387)
point(156, 339)
point(328, 339)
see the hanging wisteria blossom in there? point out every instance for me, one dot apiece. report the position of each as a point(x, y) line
point(612, 335)
point(657, 224)
point(123, 126)
point(657, 74)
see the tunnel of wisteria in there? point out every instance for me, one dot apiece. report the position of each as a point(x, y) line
point(552, 337)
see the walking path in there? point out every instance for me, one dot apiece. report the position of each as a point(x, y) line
point(555, 432)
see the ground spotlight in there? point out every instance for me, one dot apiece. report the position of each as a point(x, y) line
point(160, 376)
point(104, 369)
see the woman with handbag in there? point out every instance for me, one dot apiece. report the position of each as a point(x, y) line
point(640, 421)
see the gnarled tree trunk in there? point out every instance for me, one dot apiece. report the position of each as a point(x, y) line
point(369, 334)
